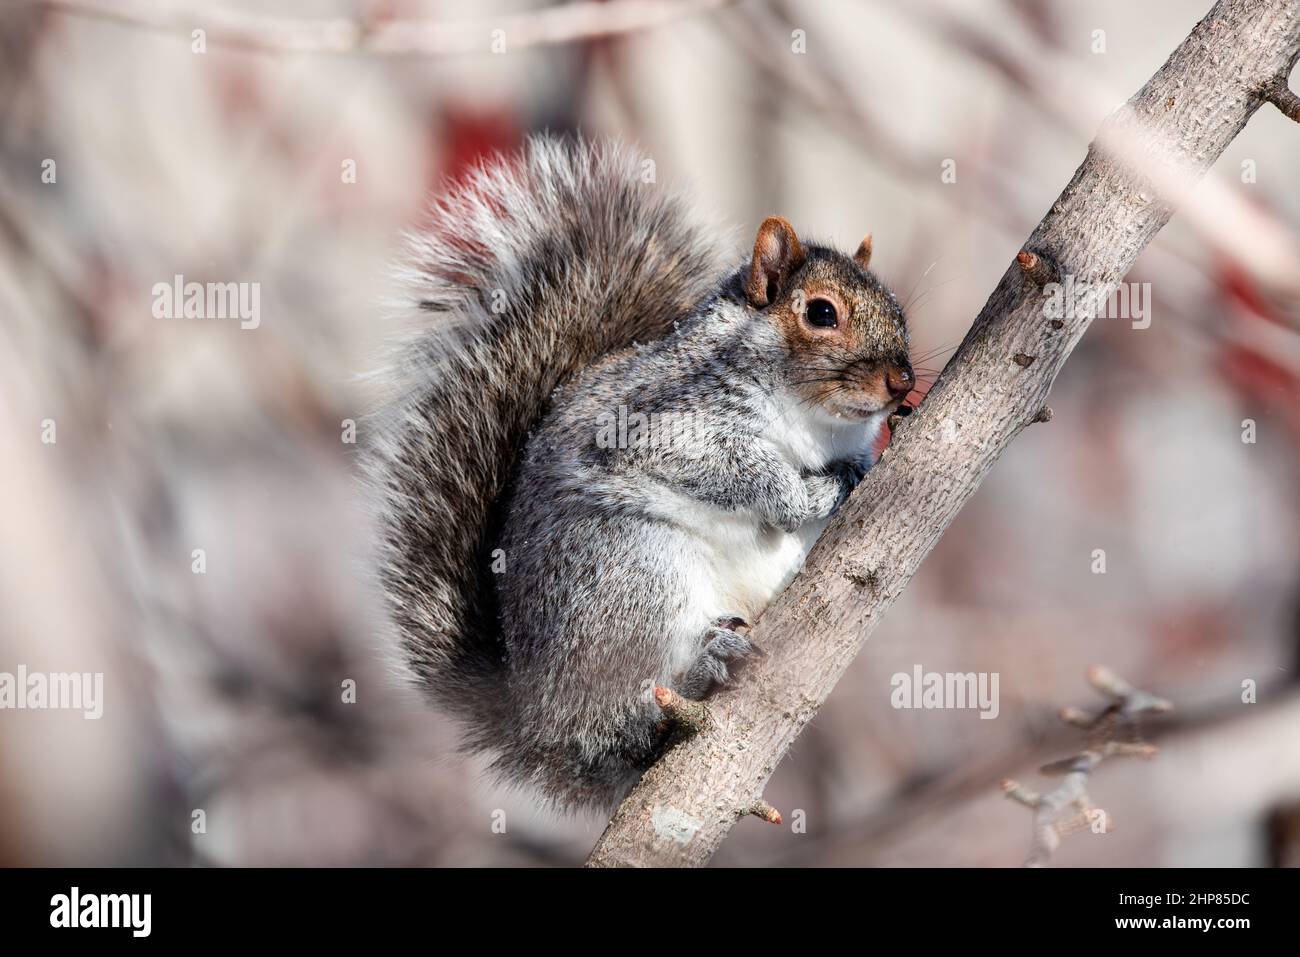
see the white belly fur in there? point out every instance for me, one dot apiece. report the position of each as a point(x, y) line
point(742, 562)
point(747, 562)
point(735, 567)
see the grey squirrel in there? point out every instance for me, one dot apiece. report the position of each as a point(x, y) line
point(545, 573)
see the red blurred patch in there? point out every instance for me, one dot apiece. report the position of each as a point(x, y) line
point(1263, 381)
point(463, 138)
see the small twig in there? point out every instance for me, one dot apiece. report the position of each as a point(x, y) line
point(1112, 733)
point(1021, 794)
point(423, 38)
point(688, 715)
point(1037, 267)
point(1281, 95)
point(1132, 700)
point(764, 811)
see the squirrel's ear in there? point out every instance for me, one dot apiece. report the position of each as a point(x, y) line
point(863, 256)
point(777, 254)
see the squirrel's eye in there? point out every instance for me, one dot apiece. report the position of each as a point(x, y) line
point(821, 312)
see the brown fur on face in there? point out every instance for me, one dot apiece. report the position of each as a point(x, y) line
point(858, 366)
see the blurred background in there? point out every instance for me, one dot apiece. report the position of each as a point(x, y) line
point(268, 156)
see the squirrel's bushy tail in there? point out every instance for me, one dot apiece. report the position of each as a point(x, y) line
point(528, 271)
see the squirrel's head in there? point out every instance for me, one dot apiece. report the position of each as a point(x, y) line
point(845, 332)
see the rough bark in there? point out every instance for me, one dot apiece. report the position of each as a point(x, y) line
point(995, 385)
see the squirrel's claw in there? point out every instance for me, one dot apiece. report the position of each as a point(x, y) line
point(733, 623)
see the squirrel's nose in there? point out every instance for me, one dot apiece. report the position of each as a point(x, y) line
point(899, 381)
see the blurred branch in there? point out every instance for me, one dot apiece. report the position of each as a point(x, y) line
point(995, 386)
point(1067, 807)
point(396, 38)
point(1010, 199)
point(948, 790)
point(824, 85)
point(1244, 232)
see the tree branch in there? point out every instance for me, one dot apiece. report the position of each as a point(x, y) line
point(1114, 732)
point(1280, 95)
point(994, 386)
point(395, 38)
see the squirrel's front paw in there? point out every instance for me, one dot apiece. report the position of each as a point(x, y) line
point(825, 493)
point(849, 472)
point(828, 490)
point(724, 651)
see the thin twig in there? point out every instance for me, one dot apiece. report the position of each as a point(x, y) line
point(765, 812)
point(1280, 95)
point(690, 716)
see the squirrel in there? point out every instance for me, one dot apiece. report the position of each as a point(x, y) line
point(546, 571)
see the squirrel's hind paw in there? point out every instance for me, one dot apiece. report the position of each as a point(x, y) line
point(730, 645)
point(724, 651)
